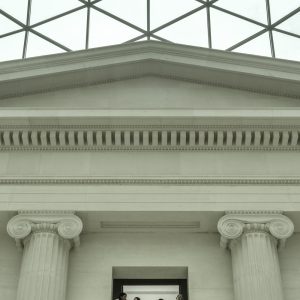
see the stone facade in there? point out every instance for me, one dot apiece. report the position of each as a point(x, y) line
point(149, 161)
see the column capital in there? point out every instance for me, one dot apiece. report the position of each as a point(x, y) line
point(65, 223)
point(234, 223)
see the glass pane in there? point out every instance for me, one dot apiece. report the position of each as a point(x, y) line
point(286, 46)
point(7, 25)
point(133, 11)
point(228, 30)
point(12, 46)
point(163, 11)
point(106, 31)
point(38, 46)
point(253, 9)
point(69, 31)
point(280, 8)
point(16, 8)
point(257, 46)
point(152, 292)
point(292, 24)
point(44, 9)
point(191, 30)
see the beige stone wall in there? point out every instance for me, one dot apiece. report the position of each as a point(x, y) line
point(10, 262)
point(209, 267)
point(90, 269)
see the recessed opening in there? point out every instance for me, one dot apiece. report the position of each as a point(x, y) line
point(150, 283)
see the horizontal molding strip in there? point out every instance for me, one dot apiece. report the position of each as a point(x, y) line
point(183, 181)
point(151, 139)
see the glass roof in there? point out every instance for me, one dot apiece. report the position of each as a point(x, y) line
point(39, 27)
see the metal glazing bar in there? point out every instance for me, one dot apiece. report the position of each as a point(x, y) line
point(160, 38)
point(87, 33)
point(50, 40)
point(26, 31)
point(177, 19)
point(135, 39)
point(148, 20)
point(208, 25)
point(286, 17)
point(248, 39)
point(58, 16)
point(270, 30)
point(11, 33)
point(239, 16)
point(207, 2)
point(115, 17)
point(284, 32)
point(95, 1)
point(2, 12)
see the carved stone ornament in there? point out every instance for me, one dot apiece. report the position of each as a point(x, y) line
point(235, 223)
point(65, 223)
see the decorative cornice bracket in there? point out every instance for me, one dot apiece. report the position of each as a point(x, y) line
point(235, 223)
point(66, 224)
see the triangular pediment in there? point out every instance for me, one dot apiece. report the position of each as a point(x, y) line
point(122, 62)
point(150, 92)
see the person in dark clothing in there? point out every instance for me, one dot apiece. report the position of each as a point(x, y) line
point(122, 296)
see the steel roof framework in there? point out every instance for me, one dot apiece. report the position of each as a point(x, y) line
point(148, 33)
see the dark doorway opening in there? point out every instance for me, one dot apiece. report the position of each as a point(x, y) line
point(123, 285)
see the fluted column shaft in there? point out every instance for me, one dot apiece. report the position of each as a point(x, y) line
point(44, 266)
point(256, 273)
point(46, 247)
point(253, 239)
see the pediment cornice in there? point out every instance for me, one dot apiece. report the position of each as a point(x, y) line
point(81, 68)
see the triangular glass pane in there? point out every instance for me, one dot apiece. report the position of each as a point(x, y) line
point(286, 47)
point(106, 31)
point(252, 9)
point(163, 11)
point(191, 30)
point(37, 46)
point(17, 9)
point(69, 31)
point(12, 46)
point(292, 24)
point(133, 11)
point(257, 46)
point(7, 25)
point(43, 9)
point(280, 8)
point(228, 30)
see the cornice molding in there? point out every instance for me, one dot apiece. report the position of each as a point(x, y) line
point(144, 181)
point(66, 224)
point(235, 223)
point(150, 139)
point(220, 68)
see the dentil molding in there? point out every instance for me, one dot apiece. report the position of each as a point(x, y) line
point(235, 223)
point(149, 139)
point(65, 223)
point(150, 181)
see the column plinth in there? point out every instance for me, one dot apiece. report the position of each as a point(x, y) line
point(46, 239)
point(254, 239)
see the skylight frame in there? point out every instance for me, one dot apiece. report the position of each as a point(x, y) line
point(148, 33)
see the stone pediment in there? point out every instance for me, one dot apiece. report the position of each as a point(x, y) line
point(150, 92)
point(186, 63)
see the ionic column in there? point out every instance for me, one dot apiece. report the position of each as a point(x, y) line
point(254, 239)
point(46, 239)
